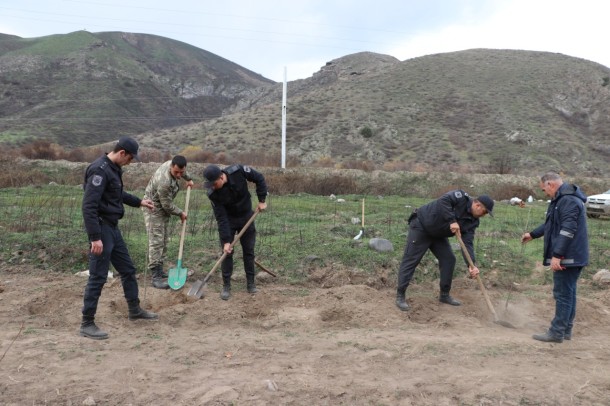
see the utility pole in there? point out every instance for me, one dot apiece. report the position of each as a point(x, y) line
point(284, 122)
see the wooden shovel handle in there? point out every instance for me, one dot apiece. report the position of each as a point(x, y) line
point(362, 213)
point(467, 255)
point(264, 269)
point(186, 210)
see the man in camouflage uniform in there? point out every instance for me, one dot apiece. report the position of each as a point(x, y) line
point(162, 189)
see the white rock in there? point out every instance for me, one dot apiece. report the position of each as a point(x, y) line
point(86, 273)
point(89, 401)
point(602, 276)
point(340, 200)
point(271, 385)
point(381, 244)
point(515, 201)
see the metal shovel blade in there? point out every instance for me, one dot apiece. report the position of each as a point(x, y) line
point(196, 290)
point(177, 276)
point(482, 286)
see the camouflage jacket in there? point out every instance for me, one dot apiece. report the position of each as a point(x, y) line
point(162, 189)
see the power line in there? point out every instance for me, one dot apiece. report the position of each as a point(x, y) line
point(200, 26)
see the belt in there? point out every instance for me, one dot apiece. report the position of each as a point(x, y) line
point(107, 222)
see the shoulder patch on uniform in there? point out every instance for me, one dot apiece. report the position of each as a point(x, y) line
point(458, 194)
point(246, 168)
point(231, 169)
point(96, 180)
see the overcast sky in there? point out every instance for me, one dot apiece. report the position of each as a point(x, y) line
point(302, 35)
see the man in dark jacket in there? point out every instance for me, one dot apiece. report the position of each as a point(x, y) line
point(430, 227)
point(102, 210)
point(566, 250)
point(232, 204)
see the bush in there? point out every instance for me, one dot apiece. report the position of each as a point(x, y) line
point(42, 149)
point(366, 132)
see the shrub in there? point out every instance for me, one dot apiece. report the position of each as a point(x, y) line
point(41, 149)
point(366, 132)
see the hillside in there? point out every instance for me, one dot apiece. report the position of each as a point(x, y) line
point(84, 88)
point(480, 110)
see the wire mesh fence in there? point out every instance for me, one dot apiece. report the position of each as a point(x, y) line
point(44, 226)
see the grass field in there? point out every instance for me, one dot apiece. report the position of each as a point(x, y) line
point(43, 226)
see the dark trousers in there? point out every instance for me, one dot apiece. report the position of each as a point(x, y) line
point(418, 242)
point(115, 252)
point(564, 292)
point(247, 241)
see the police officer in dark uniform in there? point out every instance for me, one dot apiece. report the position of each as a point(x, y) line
point(102, 210)
point(430, 227)
point(232, 204)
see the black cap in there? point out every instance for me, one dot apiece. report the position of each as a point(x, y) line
point(211, 174)
point(130, 146)
point(488, 202)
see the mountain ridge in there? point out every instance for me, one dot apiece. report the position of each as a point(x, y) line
point(478, 110)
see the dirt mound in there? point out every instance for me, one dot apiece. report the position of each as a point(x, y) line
point(335, 339)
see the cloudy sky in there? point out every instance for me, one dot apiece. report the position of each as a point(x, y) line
point(267, 36)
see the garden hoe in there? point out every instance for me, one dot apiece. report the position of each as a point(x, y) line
point(177, 276)
point(197, 289)
point(491, 308)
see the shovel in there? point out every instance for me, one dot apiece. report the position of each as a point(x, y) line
point(362, 227)
point(491, 308)
point(177, 276)
point(197, 289)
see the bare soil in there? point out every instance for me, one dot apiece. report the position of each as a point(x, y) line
point(335, 339)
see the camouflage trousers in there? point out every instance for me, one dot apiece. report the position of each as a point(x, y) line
point(157, 229)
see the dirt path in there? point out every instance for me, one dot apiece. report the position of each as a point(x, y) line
point(297, 345)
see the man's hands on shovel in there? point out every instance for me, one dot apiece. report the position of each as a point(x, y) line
point(227, 248)
point(472, 268)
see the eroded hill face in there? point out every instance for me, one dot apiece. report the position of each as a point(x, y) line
point(496, 111)
point(84, 88)
point(480, 110)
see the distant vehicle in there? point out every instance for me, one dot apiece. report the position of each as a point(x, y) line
point(598, 205)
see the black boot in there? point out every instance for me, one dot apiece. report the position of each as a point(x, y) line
point(90, 330)
point(226, 287)
point(159, 278)
point(401, 301)
point(136, 312)
point(445, 297)
point(251, 284)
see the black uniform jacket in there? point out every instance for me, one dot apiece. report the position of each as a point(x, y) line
point(232, 203)
point(454, 206)
point(104, 196)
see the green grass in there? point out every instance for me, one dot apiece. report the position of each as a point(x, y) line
point(43, 226)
